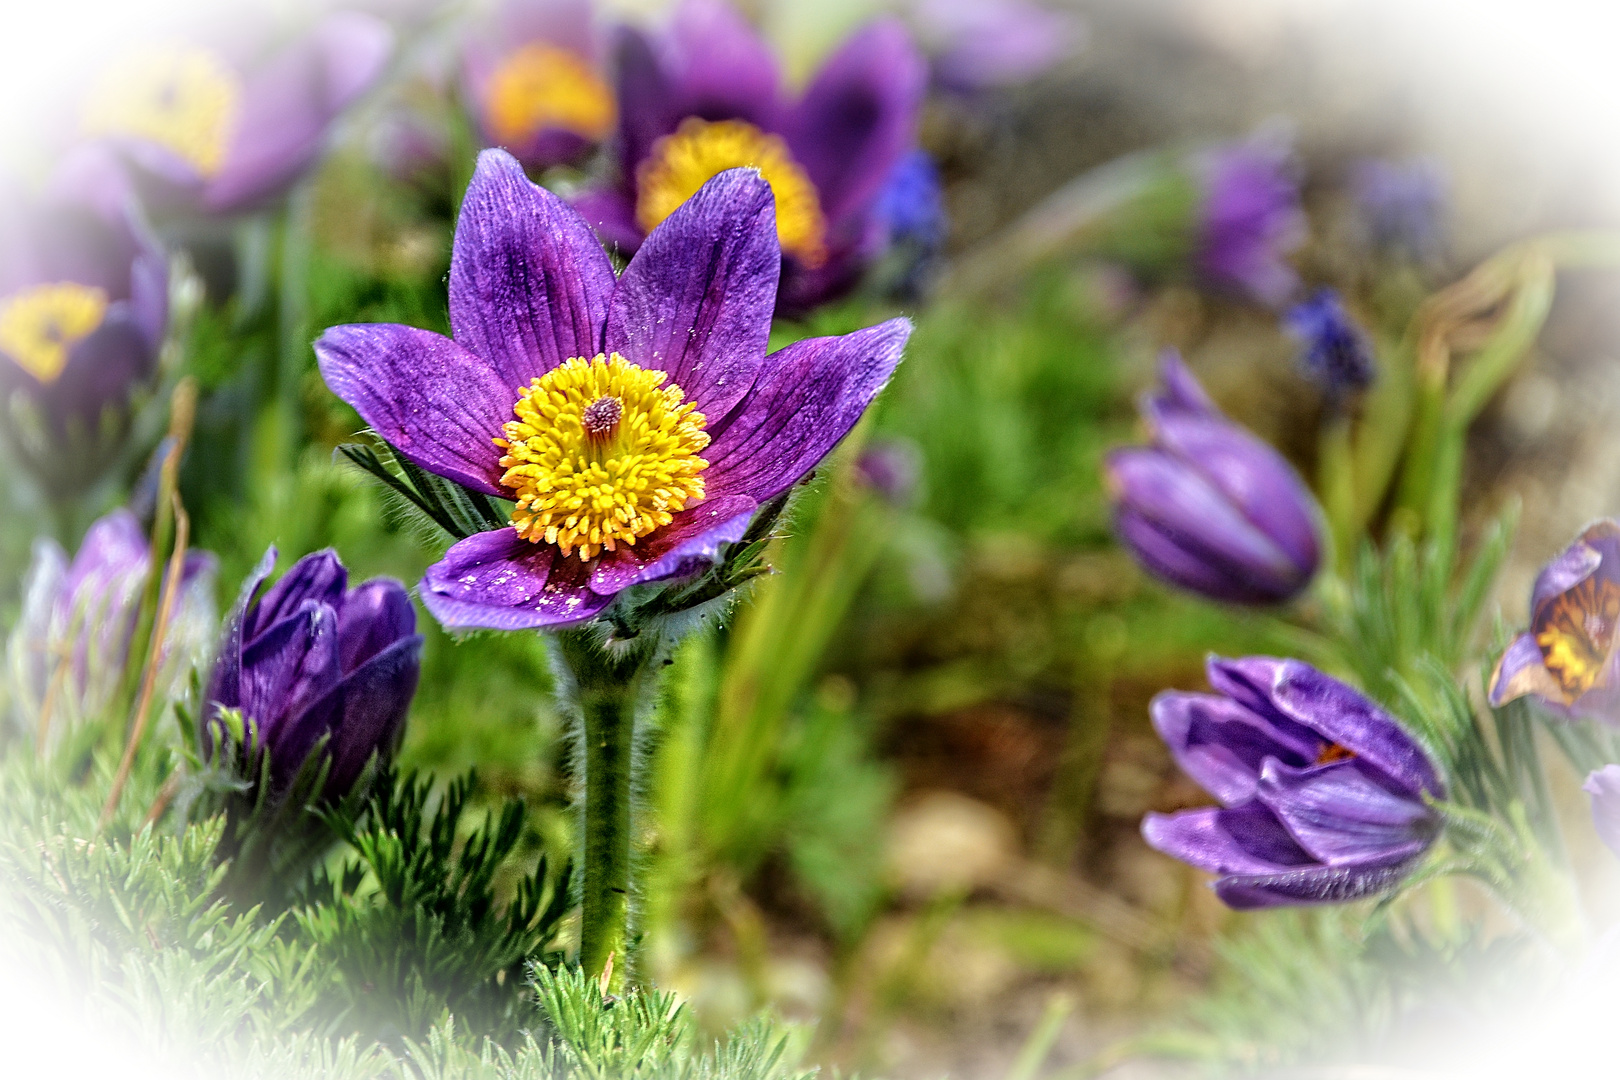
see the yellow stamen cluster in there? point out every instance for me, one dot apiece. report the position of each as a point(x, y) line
point(183, 98)
point(1579, 634)
point(681, 163)
point(541, 86)
point(588, 474)
point(40, 325)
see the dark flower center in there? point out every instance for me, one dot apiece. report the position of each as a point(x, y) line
point(602, 416)
point(1332, 752)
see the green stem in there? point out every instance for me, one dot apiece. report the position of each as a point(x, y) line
point(1337, 482)
point(608, 688)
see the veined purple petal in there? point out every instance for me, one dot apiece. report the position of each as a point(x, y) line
point(1242, 840)
point(858, 118)
point(438, 404)
point(318, 577)
point(1348, 718)
point(529, 284)
point(1346, 813)
point(500, 581)
point(1222, 745)
point(723, 68)
point(696, 300)
point(1604, 787)
point(687, 544)
point(1573, 565)
point(225, 685)
point(1313, 885)
point(808, 397)
point(364, 714)
point(375, 615)
point(287, 668)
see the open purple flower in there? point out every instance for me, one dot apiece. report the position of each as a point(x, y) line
point(1250, 219)
point(1604, 787)
point(313, 658)
point(532, 77)
point(211, 132)
point(1334, 351)
point(707, 96)
point(1208, 507)
point(83, 309)
point(978, 45)
point(71, 644)
point(637, 423)
point(1321, 792)
point(1567, 659)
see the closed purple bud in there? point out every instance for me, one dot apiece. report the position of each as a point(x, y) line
point(1322, 794)
point(1334, 352)
point(1250, 220)
point(1567, 660)
point(1208, 507)
point(311, 658)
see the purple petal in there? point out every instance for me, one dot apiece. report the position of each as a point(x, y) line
point(1316, 885)
point(1345, 813)
point(365, 714)
point(374, 615)
point(990, 43)
point(101, 371)
point(288, 668)
point(612, 214)
point(500, 581)
point(1604, 787)
point(319, 577)
point(808, 397)
point(1178, 392)
point(1522, 670)
point(438, 404)
point(723, 68)
point(805, 288)
point(687, 544)
point(858, 118)
point(1573, 565)
point(1242, 840)
point(354, 48)
point(696, 300)
point(1222, 745)
point(1167, 554)
point(1348, 718)
point(529, 284)
point(648, 101)
point(224, 686)
point(567, 23)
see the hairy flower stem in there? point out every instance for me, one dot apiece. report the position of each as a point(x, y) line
point(608, 687)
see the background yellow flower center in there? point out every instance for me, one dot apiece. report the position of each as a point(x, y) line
point(40, 325)
point(1579, 634)
point(683, 162)
point(601, 453)
point(185, 99)
point(541, 86)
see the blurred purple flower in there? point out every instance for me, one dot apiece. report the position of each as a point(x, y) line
point(1402, 206)
point(1250, 219)
point(532, 76)
point(1604, 787)
point(1567, 659)
point(84, 298)
point(1321, 792)
point(893, 468)
point(1208, 507)
point(312, 658)
point(606, 391)
point(978, 45)
point(1335, 353)
point(706, 96)
point(78, 619)
point(208, 133)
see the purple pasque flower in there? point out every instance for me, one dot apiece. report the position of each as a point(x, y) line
point(1208, 507)
point(1250, 219)
point(1567, 659)
point(216, 133)
point(1402, 206)
point(71, 644)
point(313, 658)
point(707, 95)
point(1334, 351)
point(979, 45)
point(532, 77)
point(1322, 793)
point(84, 301)
point(637, 422)
point(1604, 787)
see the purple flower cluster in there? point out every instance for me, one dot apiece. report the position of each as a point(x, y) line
point(1322, 794)
point(1208, 507)
point(545, 337)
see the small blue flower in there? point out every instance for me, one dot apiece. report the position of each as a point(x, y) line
point(1335, 353)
